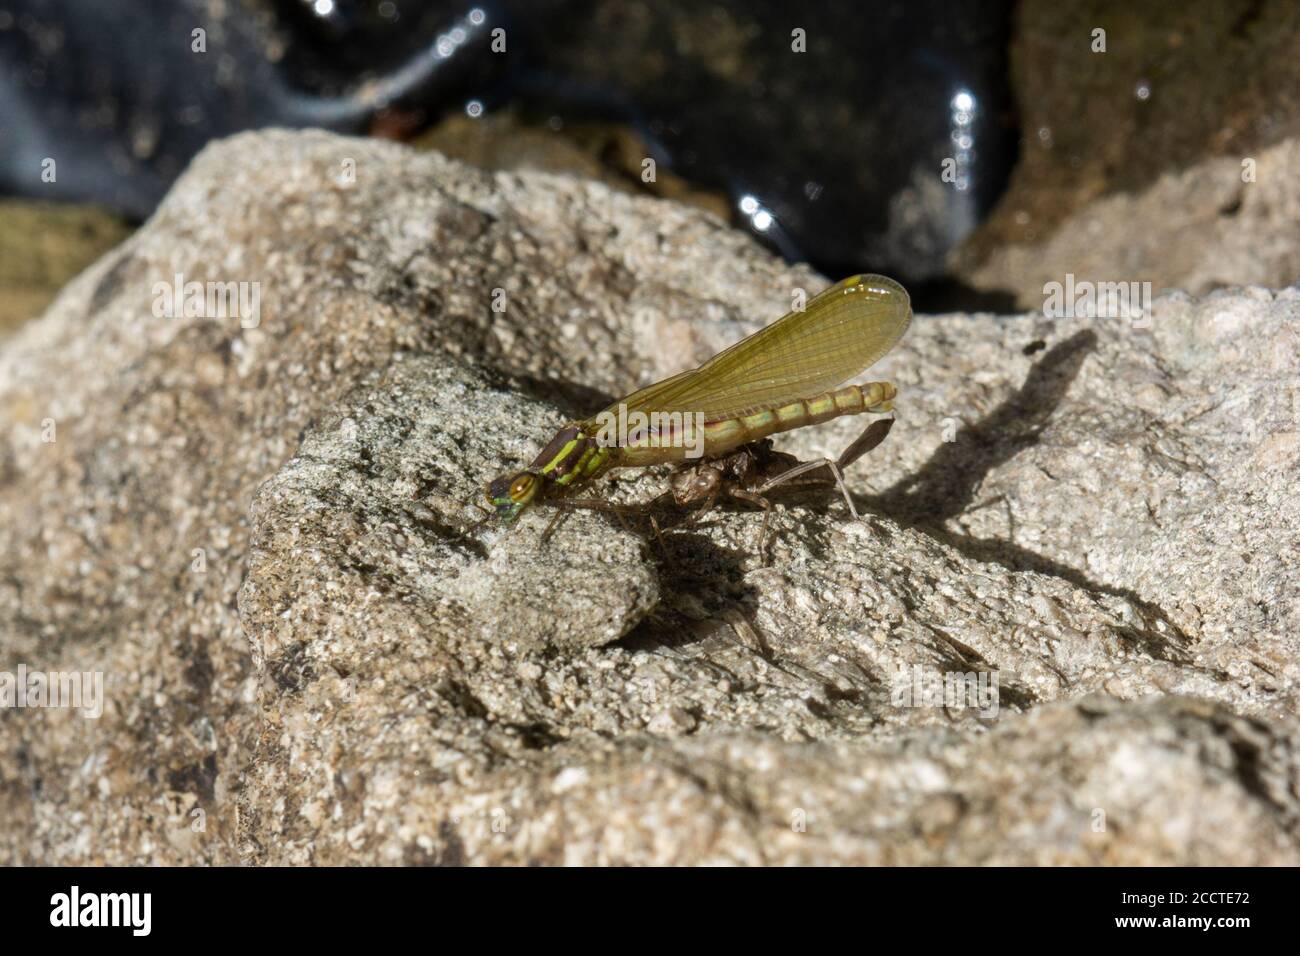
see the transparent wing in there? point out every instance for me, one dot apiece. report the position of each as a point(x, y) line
point(840, 333)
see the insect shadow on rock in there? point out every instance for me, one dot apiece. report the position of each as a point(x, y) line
point(712, 422)
point(945, 487)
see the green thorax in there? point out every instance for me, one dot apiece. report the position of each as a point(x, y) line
point(572, 457)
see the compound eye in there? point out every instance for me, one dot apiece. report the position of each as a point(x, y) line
point(521, 487)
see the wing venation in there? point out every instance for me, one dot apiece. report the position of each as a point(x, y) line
point(840, 333)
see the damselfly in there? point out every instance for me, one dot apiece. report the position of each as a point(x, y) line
point(784, 376)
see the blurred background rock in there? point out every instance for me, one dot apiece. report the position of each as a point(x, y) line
point(832, 156)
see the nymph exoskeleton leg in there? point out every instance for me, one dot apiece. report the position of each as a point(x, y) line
point(870, 438)
point(600, 504)
point(808, 466)
point(560, 515)
point(619, 510)
point(694, 517)
point(488, 515)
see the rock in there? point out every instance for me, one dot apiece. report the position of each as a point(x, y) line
point(375, 499)
point(1196, 229)
point(1109, 100)
point(1066, 630)
point(1093, 782)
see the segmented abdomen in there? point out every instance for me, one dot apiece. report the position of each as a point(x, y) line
point(723, 436)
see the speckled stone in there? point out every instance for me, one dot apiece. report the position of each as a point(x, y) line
point(1222, 221)
point(313, 653)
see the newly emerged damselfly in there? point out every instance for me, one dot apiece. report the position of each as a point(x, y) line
point(753, 470)
point(712, 420)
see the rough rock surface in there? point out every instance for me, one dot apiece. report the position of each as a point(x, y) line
point(348, 670)
point(1174, 86)
point(1194, 229)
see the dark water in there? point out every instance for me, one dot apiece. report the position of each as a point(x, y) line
point(833, 152)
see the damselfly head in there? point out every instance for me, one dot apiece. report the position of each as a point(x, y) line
point(511, 494)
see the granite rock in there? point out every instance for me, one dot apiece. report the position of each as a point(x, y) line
point(1222, 221)
point(1064, 631)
